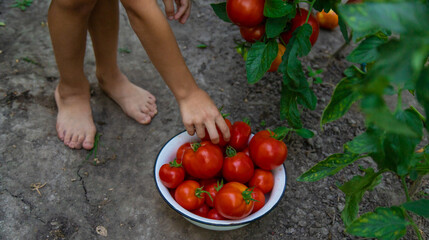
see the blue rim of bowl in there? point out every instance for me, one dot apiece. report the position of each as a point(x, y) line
point(208, 223)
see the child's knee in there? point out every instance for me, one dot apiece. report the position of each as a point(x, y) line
point(78, 6)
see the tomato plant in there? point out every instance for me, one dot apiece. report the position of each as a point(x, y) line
point(248, 13)
point(204, 160)
point(240, 134)
point(252, 34)
point(237, 166)
point(234, 201)
point(299, 20)
point(327, 20)
point(171, 174)
point(189, 195)
point(267, 150)
point(262, 179)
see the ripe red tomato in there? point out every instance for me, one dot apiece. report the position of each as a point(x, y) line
point(266, 151)
point(189, 195)
point(171, 174)
point(248, 13)
point(276, 63)
point(327, 20)
point(213, 214)
point(240, 134)
point(262, 179)
point(222, 141)
point(246, 151)
point(234, 201)
point(181, 151)
point(298, 21)
point(259, 196)
point(202, 211)
point(212, 188)
point(237, 167)
point(252, 34)
point(203, 161)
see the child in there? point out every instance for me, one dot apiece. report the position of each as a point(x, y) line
point(69, 21)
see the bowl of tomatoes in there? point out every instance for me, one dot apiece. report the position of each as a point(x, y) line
point(220, 187)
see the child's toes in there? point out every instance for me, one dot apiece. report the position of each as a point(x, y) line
point(88, 142)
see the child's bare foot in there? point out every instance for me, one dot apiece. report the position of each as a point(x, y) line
point(136, 102)
point(75, 126)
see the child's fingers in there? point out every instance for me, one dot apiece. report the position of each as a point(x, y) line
point(200, 130)
point(211, 129)
point(185, 16)
point(220, 122)
point(190, 129)
point(182, 7)
point(169, 9)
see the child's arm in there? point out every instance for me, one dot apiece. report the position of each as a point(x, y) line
point(197, 109)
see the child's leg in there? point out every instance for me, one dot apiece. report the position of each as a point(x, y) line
point(68, 22)
point(103, 27)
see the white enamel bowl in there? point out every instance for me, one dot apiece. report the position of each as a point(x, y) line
point(168, 153)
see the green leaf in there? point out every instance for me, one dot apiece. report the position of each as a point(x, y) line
point(345, 94)
point(366, 51)
point(400, 17)
point(383, 223)
point(275, 26)
point(305, 133)
point(281, 132)
point(364, 143)
point(420, 207)
point(220, 11)
point(289, 108)
point(378, 113)
point(354, 190)
point(326, 5)
point(328, 167)
point(307, 98)
point(298, 46)
point(422, 93)
point(2, 24)
point(124, 50)
point(259, 59)
point(278, 8)
point(201, 46)
point(343, 28)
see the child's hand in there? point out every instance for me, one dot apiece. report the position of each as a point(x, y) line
point(199, 112)
point(182, 12)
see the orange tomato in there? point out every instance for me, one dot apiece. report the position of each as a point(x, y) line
point(276, 63)
point(327, 20)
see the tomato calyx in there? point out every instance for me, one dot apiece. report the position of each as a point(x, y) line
point(199, 193)
point(175, 164)
point(195, 146)
point(230, 151)
point(219, 185)
point(247, 195)
point(277, 135)
point(246, 121)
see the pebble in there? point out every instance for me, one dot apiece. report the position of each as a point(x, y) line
point(302, 223)
point(336, 129)
point(290, 230)
point(340, 206)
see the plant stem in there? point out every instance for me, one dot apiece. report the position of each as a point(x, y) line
point(404, 184)
point(309, 10)
point(399, 103)
point(413, 224)
point(418, 113)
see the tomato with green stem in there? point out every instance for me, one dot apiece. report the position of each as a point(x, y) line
point(259, 196)
point(204, 160)
point(248, 13)
point(299, 20)
point(234, 201)
point(237, 166)
point(190, 195)
point(212, 189)
point(240, 134)
point(262, 179)
point(267, 150)
point(171, 174)
point(252, 34)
